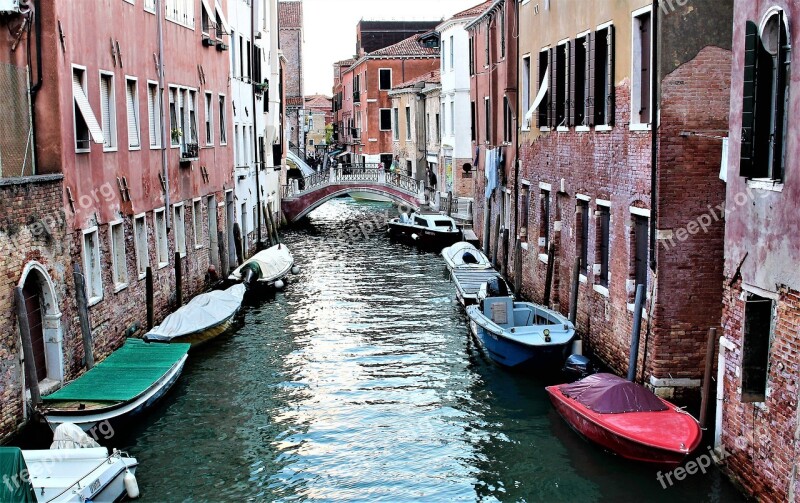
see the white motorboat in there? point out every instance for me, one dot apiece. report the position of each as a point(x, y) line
point(464, 255)
point(362, 195)
point(267, 268)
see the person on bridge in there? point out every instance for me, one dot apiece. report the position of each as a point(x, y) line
point(431, 184)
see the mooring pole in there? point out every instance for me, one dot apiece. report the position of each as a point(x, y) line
point(267, 225)
point(518, 267)
point(636, 333)
point(573, 294)
point(496, 254)
point(548, 282)
point(712, 342)
point(237, 241)
point(83, 315)
point(148, 287)
point(27, 346)
point(450, 203)
point(178, 280)
point(274, 225)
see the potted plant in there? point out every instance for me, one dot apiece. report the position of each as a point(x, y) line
point(176, 134)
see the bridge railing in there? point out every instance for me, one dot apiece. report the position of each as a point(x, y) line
point(368, 173)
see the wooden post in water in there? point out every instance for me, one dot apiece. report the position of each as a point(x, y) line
point(504, 264)
point(518, 268)
point(496, 254)
point(548, 282)
point(274, 227)
point(148, 292)
point(450, 203)
point(83, 315)
point(223, 257)
point(178, 280)
point(636, 332)
point(712, 342)
point(268, 224)
point(573, 294)
point(237, 240)
point(27, 346)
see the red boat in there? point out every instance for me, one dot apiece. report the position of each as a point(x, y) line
point(627, 419)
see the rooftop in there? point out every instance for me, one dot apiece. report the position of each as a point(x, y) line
point(477, 10)
point(412, 46)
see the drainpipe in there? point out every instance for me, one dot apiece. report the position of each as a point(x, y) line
point(255, 122)
point(516, 145)
point(164, 139)
point(654, 121)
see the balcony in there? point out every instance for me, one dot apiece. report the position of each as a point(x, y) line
point(190, 152)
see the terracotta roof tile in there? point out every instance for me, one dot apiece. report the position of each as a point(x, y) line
point(408, 47)
point(433, 77)
point(473, 11)
point(290, 14)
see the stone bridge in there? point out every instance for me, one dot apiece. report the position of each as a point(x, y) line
point(301, 196)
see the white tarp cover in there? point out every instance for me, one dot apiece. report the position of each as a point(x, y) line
point(71, 436)
point(539, 97)
point(274, 262)
point(202, 312)
point(454, 256)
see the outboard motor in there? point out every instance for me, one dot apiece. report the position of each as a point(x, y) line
point(250, 274)
point(578, 366)
point(495, 287)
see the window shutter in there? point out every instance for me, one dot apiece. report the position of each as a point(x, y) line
point(644, 109)
point(571, 61)
point(82, 101)
point(105, 110)
point(133, 119)
point(590, 77)
point(610, 88)
point(541, 112)
point(746, 159)
point(151, 114)
point(784, 59)
point(551, 101)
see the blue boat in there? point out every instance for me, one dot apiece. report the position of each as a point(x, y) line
point(519, 334)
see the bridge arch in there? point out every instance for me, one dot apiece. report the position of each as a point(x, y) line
point(314, 200)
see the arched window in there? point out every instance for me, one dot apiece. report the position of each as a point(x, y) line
point(766, 97)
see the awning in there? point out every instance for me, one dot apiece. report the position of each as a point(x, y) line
point(225, 25)
point(335, 152)
point(342, 154)
point(539, 96)
point(82, 101)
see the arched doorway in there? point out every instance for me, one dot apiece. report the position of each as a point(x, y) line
point(44, 320)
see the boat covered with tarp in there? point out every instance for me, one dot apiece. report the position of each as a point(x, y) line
point(123, 385)
point(204, 317)
point(627, 419)
point(268, 267)
point(464, 256)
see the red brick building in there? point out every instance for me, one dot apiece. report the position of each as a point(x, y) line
point(290, 26)
point(128, 172)
point(493, 95)
point(598, 185)
point(759, 372)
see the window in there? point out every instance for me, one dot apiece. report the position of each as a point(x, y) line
point(132, 106)
point(209, 119)
point(162, 248)
point(544, 220)
point(640, 75)
point(766, 98)
point(91, 266)
point(179, 227)
point(487, 122)
point(109, 111)
point(395, 125)
point(506, 120)
point(543, 117)
point(236, 156)
point(197, 223)
point(603, 97)
point(87, 129)
point(582, 233)
point(443, 109)
point(438, 130)
point(561, 92)
point(192, 136)
point(150, 5)
point(180, 11)
point(408, 123)
point(603, 248)
point(386, 119)
point(206, 24)
point(444, 55)
point(758, 319)
point(640, 242)
point(245, 232)
point(580, 82)
point(140, 243)
point(526, 87)
point(248, 56)
point(234, 57)
point(488, 45)
point(452, 117)
point(174, 125)
point(385, 79)
point(473, 124)
point(452, 44)
point(119, 268)
point(223, 135)
point(472, 56)
point(502, 33)
point(154, 114)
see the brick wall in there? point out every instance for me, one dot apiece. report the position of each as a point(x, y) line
point(762, 438)
point(291, 45)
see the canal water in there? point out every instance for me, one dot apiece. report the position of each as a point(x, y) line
point(360, 382)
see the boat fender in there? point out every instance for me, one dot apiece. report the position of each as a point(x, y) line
point(131, 486)
point(296, 269)
point(279, 284)
point(414, 237)
point(547, 335)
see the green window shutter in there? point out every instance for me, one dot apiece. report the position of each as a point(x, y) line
point(747, 157)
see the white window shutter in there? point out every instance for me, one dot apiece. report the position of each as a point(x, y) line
point(82, 101)
point(151, 114)
point(133, 114)
point(105, 110)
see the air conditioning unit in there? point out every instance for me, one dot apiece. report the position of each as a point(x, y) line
point(7, 6)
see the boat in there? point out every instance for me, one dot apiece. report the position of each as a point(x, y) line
point(468, 283)
point(71, 471)
point(426, 229)
point(627, 419)
point(516, 334)
point(362, 195)
point(266, 268)
point(464, 255)
point(203, 318)
point(120, 387)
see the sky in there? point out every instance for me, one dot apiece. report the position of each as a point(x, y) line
point(330, 30)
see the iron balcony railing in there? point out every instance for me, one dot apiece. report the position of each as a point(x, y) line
point(374, 173)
